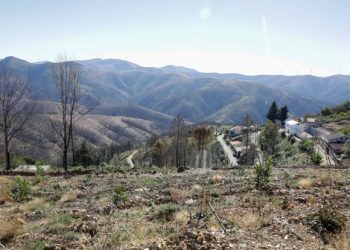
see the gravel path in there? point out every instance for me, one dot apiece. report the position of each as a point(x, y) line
point(228, 150)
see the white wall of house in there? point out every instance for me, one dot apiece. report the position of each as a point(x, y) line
point(293, 127)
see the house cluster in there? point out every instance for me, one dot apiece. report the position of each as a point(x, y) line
point(235, 140)
point(333, 143)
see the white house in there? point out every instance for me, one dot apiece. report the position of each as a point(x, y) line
point(293, 127)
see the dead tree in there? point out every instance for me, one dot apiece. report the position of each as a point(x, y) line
point(247, 123)
point(14, 109)
point(201, 135)
point(66, 75)
point(178, 127)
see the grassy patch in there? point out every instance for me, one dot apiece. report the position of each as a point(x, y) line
point(60, 222)
point(149, 181)
point(5, 189)
point(35, 245)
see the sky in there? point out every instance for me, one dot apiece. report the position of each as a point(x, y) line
point(289, 37)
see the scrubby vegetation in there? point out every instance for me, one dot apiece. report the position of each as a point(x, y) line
point(263, 173)
point(167, 209)
point(337, 113)
point(179, 190)
point(21, 189)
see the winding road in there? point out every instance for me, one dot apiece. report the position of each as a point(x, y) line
point(228, 150)
point(129, 159)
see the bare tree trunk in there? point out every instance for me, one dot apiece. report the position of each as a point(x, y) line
point(13, 110)
point(66, 75)
point(73, 149)
point(65, 159)
point(7, 153)
point(178, 126)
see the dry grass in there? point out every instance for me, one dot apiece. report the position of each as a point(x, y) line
point(33, 205)
point(178, 196)
point(342, 242)
point(72, 195)
point(8, 229)
point(196, 188)
point(305, 183)
point(181, 217)
point(249, 221)
point(5, 188)
point(216, 179)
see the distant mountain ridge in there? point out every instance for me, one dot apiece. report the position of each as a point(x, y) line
point(118, 87)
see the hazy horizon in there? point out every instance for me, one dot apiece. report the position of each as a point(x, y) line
point(247, 37)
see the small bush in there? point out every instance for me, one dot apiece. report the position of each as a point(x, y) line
point(167, 211)
point(263, 173)
point(306, 145)
point(283, 134)
point(21, 190)
point(39, 175)
point(316, 158)
point(119, 196)
point(326, 220)
point(40, 170)
point(29, 160)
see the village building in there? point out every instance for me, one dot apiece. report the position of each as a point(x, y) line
point(334, 142)
point(235, 131)
point(293, 127)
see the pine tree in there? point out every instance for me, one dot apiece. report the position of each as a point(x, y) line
point(283, 114)
point(272, 115)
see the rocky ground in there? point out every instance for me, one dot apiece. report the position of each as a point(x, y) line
point(162, 209)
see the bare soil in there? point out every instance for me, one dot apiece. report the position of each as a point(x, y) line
point(213, 209)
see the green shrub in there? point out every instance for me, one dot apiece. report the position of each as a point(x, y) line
point(326, 220)
point(40, 170)
point(39, 175)
point(17, 161)
point(61, 218)
point(29, 160)
point(316, 158)
point(77, 169)
point(263, 172)
point(283, 134)
point(306, 145)
point(119, 196)
point(166, 211)
point(21, 190)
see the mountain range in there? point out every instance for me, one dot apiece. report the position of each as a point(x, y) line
point(117, 88)
point(130, 102)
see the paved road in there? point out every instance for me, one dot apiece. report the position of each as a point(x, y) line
point(129, 159)
point(228, 150)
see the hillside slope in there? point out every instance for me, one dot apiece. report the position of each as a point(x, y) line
point(116, 87)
